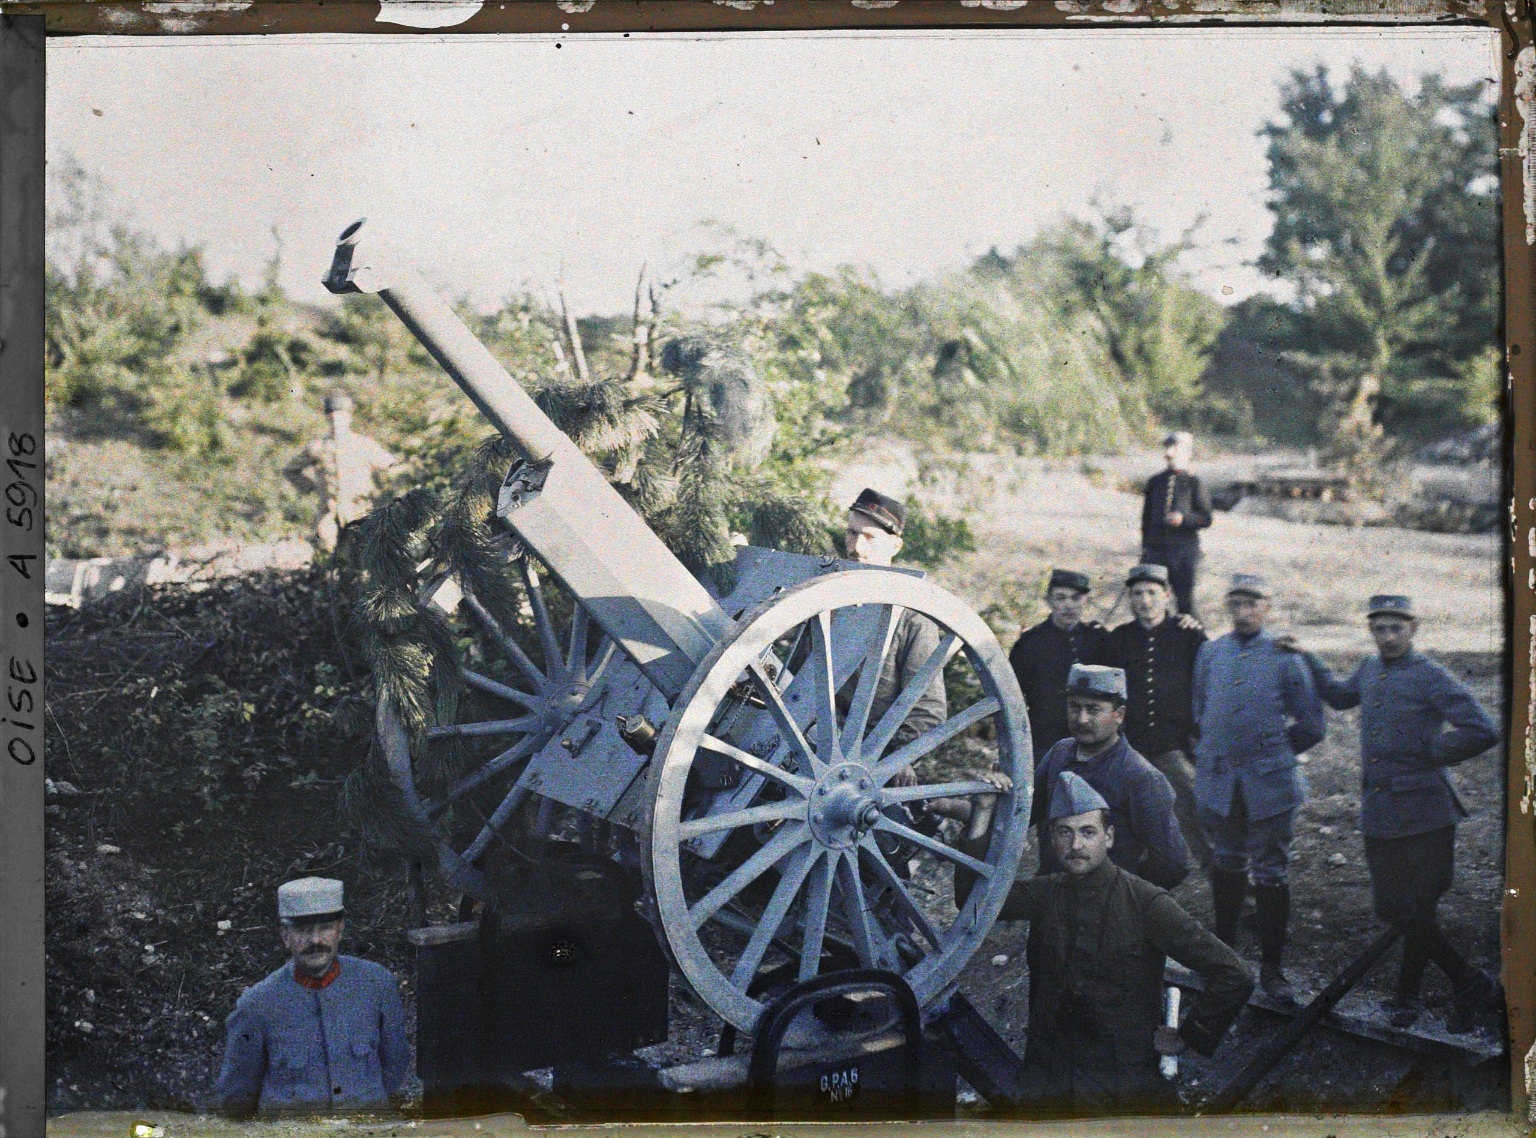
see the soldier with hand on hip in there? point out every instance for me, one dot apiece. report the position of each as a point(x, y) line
point(324, 1033)
point(1255, 711)
point(1173, 512)
point(1157, 654)
point(1096, 1031)
point(1416, 720)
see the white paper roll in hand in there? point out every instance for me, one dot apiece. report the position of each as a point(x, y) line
point(1170, 1063)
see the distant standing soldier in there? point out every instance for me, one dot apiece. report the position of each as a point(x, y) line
point(1043, 655)
point(1157, 655)
point(1096, 1028)
point(341, 466)
point(1173, 512)
point(1255, 710)
point(1139, 799)
point(1408, 809)
point(324, 1033)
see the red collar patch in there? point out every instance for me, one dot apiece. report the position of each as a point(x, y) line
point(315, 983)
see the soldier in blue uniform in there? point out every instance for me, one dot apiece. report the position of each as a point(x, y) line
point(1255, 710)
point(1043, 655)
point(1139, 799)
point(324, 1033)
point(1416, 719)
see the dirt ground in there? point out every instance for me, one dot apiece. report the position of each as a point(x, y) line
point(165, 841)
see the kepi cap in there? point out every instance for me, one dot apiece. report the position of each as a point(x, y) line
point(1155, 573)
point(885, 511)
point(1072, 796)
point(1390, 604)
point(309, 899)
point(1250, 585)
point(1097, 680)
point(1182, 437)
point(1068, 579)
point(338, 401)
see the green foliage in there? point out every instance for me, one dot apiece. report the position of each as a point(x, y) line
point(1386, 227)
point(932, 538)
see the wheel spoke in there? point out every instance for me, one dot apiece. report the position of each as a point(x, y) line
point(927, 791)
point(799, 784)
point(734, 819)
point(488, 727)
point(818, 900)
point(600, 660)
point(576, 654)
point(788, 728)
point(508, 645)
point(887, 873)
point(907, 699)
point(981, 868)
point(775, 850)
point(553, 661)
point(933, 739)
point(855, 909)
point(494, 823)
point(492, 687)
point(826, 692)
point(773, 916)
point(480, 775)
point(869, 679)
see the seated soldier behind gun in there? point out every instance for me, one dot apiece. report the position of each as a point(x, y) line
point(1096, 1029)
point(1141, 801)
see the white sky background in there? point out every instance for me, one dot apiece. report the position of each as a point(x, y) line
point(492, 161)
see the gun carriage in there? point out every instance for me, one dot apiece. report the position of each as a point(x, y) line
point(722, 746)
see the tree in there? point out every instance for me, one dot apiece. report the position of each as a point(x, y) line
point(1386, 228)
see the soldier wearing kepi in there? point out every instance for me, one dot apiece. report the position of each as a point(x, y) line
point(1139, 800)
point(1416, 719)
point(1173, 512)
point(873, 537)
point(1157, 655)
point(1096, 1029)
point(324, 1033)
point(1255, 711)
point(1043, 655)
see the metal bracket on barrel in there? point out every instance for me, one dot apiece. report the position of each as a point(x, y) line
point(523, 483)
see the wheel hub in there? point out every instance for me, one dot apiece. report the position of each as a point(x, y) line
point(844, 806)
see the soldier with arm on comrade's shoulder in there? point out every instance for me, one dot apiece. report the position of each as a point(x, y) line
point(1416, 720)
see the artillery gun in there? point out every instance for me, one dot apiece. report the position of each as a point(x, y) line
point(731, 749)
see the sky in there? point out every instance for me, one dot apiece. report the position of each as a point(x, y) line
point(499, 163)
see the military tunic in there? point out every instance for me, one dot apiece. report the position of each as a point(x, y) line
point(1176, 548)
point(1096, 987)
point(1148, 842)
point(914, 640)
point(1159, 666)
point(1255, 710)
point(1041, 658)
point(292, 1048)
point(1404, 704)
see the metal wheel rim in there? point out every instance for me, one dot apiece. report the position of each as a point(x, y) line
point(687, 727)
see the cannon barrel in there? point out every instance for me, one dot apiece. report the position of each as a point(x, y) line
point(576, 523)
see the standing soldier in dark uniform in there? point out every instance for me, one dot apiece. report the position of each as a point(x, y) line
point(1139, 799)
point(1408, 809)
point(1158, 657)
point(1173, 512)
point(1255, 710)
point(1043, 655)
point(1096, 1028)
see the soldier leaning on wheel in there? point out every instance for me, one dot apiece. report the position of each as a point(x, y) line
point(873, 537)
point(1096, 1031)
point(1416, 719)
point(324, 1033)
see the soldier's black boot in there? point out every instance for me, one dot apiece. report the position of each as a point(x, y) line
point(1229, 888)
point(1274, 915)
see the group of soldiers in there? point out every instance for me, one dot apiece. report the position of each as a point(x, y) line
point(1155, 749)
